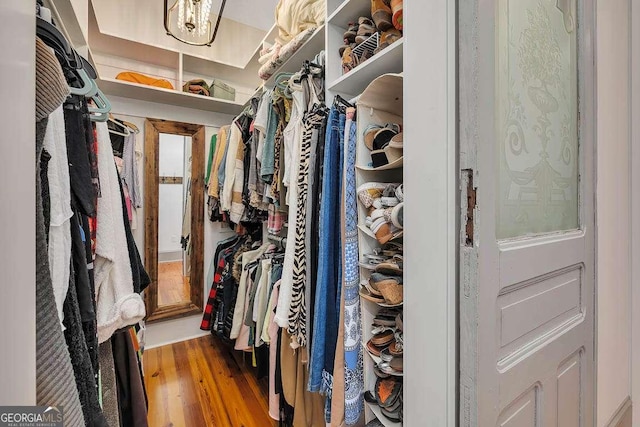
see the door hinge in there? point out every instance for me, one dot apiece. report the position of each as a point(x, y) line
point(470, 190)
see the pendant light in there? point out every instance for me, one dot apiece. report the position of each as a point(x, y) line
point(191, 21)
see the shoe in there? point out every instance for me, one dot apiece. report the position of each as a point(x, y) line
point(376, 137)
point(388, 156)
point(349, 60)
point(396, 141)
point(387, 391)
point(370, 193)
point(396, 11)
point(400, 192)
point(391, 266)
point(397, 216)
point(381, 14)
point(346, 45)
point(366, 29)
point(387, 38)
point(390, 287)
point(351, 33)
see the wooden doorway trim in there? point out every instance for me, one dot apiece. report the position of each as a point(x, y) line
point(152, 130)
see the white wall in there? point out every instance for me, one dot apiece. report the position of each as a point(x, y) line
point(17, 214)
point(161, 333)
point(613, 221)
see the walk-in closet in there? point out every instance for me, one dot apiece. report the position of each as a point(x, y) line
point(220, 213)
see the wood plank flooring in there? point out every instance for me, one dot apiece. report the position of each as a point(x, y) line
point(199, 383)
point(173, 287)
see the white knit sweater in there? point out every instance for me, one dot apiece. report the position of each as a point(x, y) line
point(117, 304)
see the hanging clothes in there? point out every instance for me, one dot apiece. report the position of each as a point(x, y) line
point(54, 373)
point(118, 304)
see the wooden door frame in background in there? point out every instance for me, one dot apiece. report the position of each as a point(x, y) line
point(152, 130)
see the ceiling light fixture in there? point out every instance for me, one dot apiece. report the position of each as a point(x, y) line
point(190, 21)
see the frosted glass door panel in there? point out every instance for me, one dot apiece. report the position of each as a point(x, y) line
point(536, 120)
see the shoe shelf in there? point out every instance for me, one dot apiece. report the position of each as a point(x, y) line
point(378, 413)
point(307, 51)
point(387, 111)
point(388, 60)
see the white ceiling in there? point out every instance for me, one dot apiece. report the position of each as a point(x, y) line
point(255, 13)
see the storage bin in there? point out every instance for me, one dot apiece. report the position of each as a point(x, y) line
point(222, 90)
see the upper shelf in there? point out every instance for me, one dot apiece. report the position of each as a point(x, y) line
point(349, 11)
point(355, 81)
point(311, 48)
point(141, 92)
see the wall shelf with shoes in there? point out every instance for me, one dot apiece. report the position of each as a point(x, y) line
point(389, 60)
point(379, 178)
point(354, 60)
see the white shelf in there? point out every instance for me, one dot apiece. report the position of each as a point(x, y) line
point(141, 92)
point(384, 420)
point(389, 60)
point(307, 51)
point(349, 11)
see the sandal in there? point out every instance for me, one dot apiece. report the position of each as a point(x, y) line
point(381, 13)
point(391, 266)
point(387, 156)
point(397, 217)
point(366, 294)
point(373, 349)
point(387, 391)
point(370, 193)
point(377, 137)
point(396, 141)
point(390, 287)
point(383, 339)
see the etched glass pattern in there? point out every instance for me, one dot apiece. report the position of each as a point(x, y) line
point(536, 117)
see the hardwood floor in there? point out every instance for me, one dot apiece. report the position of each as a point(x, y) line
point(173, 287)
point(199, 383)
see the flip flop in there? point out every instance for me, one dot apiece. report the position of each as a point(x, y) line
point(387, 391)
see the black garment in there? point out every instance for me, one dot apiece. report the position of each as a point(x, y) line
point(80, 169)
point(86, 298)
point(140, 277)
point(85, 291)
point(44, 186)
point(54, 372)
point(132, 400)
point(315, 227)
point(117, 141)
point(82, 364)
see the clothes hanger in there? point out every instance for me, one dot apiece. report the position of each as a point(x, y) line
point(125, 129)
point(102, 103)
point(50, 35)
point(133, 128)
point(88, 85)
point(341, 104)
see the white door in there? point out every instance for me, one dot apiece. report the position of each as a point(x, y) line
point(527, 227)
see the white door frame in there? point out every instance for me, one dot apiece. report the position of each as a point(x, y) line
point(17, 305)
point(431, 191)
point(635, 209)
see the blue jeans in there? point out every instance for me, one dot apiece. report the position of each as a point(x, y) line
point(328, 283)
